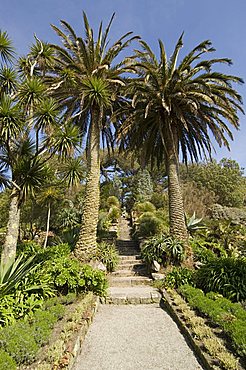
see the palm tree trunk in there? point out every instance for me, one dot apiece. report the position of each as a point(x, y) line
point(86, 245)
point(176, 207)
point(47, 227)
point(178, 227)
point(9, 248)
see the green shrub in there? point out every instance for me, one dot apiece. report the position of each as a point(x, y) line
point(29, 248)
point(154, 249)
point(224, 275)
point(114, 214)
point(69, 275)
point(230, 316)
point(6, 361)
point(18, 341)
point(95, 280)
point(142, 207)
point(113, 201)
point(179, 276)
point(43, 321)
point(108, 254)
point(149, 225)
point(66, 274)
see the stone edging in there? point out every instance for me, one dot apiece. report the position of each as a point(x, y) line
point(194, 344)
point(75, 351)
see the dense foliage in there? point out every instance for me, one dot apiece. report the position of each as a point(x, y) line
point(224, 275)
point(230, 316)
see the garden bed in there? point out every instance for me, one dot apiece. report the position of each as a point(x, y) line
point(67, 337)
point(50, 338)
point(206, 340)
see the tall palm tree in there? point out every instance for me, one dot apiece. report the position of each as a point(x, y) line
point(175, 109)
point(87, 85)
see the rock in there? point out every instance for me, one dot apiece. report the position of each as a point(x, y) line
point(157, 276)
point(235, 215)
point(198, 264)
point(155, 266)
point(98, 265)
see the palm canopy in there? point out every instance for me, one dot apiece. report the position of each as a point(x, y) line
point(175, 109)
point(181, 103)
point(86, 81)
point(86, 76)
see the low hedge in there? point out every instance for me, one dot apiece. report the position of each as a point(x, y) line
point(6, 361)
point(23, 340)
point(231, 317)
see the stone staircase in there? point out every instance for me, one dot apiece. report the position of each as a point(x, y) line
point(130, 283)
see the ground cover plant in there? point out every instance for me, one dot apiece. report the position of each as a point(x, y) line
point(231, 317)
point(204, 335)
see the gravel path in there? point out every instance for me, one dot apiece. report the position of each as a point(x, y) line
point(135, 337)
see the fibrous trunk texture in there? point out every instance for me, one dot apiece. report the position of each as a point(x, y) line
point(178, 227)
point(86, 245)
point(9, 248)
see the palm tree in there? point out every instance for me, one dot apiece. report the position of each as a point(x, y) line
point(175, 109)
point(87, 85)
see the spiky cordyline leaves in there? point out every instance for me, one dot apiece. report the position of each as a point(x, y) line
point(73, 171)
point(11, 119)
point(187, 101)
point(43, 54)
point(8, 80)
point(31, 92)
point(46, 115)
point(65, 140)
point(6, 47)
point(48, 194)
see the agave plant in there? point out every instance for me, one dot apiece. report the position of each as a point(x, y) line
point(194, 224)
point(13, 272)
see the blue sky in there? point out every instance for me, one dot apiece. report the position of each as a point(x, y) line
point(221, 21)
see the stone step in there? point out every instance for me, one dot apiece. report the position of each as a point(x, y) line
point(128, 252)
point(129, 281)
point(132, 295)
point(123, 243)
point(129, 258)
point(130, 265)
point(122, 273)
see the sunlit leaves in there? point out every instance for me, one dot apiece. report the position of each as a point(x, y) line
point(6, 47)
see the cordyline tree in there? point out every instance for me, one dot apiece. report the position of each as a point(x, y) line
point(23, 162)
point(87, 83)
point(176, 107)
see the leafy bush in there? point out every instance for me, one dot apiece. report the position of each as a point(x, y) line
point(68, 275)
point(230, 316)
point(113, 201)
point(108, 254)
point(6, 361)
point(18, 341)
point(95, 280)
point(224, 275)
point(144, 207)
point(179, 276)
point(149, 224)
point(114, 214)
point(163, 249)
